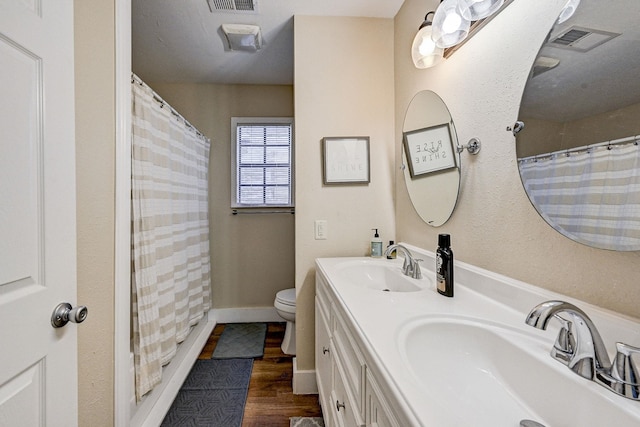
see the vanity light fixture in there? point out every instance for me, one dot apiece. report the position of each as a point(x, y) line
point(449, 26)
point(243, 37)
point(453, 19)
point(568, 10)
point(474, 10)
point(424, 51)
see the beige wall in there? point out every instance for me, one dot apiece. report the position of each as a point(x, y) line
point(343, 87)
point(544, 136)
point(95, 174)
point(252, 256)
point(602, 127)
point(541, 136)
point(494, 226)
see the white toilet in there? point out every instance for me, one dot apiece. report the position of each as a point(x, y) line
point(285, 304)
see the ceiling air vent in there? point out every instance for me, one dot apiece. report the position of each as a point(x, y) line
point(232, 5)
point(581, 39)
point(571, 36)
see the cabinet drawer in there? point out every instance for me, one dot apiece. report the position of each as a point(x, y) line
point(350, 357)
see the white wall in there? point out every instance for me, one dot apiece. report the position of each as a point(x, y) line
point(494, 226)
point(343, 87)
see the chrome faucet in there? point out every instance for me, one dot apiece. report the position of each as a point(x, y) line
point(410, 267)
point(580, 347)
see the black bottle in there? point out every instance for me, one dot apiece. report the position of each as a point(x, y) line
point(392, 254)
point(444, 266)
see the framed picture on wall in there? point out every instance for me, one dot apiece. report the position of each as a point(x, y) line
point(346, 160)
point(429, 150)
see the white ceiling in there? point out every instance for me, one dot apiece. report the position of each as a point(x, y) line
point(181, 40)
point(593, 82)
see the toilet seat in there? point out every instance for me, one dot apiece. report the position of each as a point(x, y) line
point(287, 297)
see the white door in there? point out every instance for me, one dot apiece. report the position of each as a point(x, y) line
point(38, 363)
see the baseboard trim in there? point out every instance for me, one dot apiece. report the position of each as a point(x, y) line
point(304, 381)
point(246, 315)
point(155, 404)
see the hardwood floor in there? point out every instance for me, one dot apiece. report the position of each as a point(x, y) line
point(270, 401)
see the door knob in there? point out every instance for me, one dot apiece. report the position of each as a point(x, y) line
point(65, 313)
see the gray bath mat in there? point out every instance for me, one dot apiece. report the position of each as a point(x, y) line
point(241, 340)
point(306, 422)
point(213, 395)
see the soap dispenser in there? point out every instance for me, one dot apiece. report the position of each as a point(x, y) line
point(444, 266)
point(376, 245)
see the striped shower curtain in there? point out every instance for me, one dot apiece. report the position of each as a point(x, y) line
point(591, 196)
point(170, 234)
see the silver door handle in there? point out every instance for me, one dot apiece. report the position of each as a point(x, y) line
point(65, 313)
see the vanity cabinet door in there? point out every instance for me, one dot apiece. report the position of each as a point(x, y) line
point(344, 404)
point(323, 298)
point(378, 411)
point(349, 355)
point(323, 354)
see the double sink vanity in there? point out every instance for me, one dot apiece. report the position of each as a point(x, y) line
point(391, 351)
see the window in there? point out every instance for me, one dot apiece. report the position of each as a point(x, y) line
point(261, 162)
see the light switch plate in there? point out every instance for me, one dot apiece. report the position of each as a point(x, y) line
point(320, 229)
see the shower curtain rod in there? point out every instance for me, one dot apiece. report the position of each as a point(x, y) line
point(163, 103)
point(629, 139)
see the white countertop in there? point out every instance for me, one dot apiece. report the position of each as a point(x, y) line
point(379, 318)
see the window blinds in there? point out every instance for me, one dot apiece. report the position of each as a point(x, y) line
point(263, 159)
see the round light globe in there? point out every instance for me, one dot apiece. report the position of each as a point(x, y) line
point(474, 10)
point(449, 27)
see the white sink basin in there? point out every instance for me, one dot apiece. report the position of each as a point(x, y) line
point(501, 375)
point(380, 275)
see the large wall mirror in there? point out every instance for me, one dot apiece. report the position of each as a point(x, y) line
point(432, 168)
point(578, 152)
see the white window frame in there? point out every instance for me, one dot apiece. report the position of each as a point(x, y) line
point(239, 121)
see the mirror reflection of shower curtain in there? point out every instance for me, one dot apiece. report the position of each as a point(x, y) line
point(591, 196)
point(170, 234)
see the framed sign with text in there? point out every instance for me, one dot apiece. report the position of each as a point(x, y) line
point(346, 160)
point(429, 150)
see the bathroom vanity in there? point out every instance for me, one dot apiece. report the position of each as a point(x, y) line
point(390, 351)
point(348, 381)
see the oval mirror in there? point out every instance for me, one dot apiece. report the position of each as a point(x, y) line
point(430, 159)
point(578, 152)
